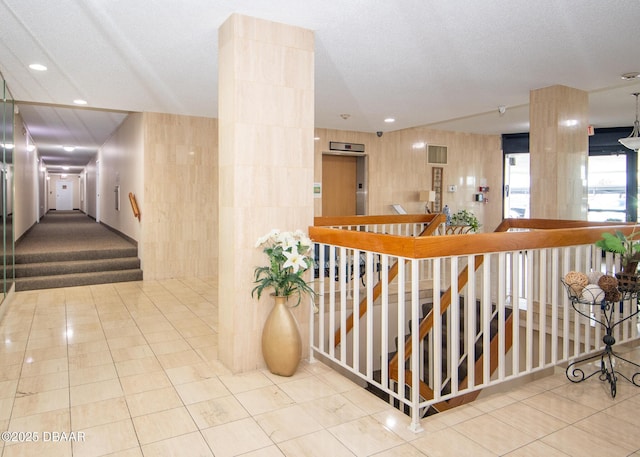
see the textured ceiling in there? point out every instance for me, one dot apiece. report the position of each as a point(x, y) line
point(448, 64)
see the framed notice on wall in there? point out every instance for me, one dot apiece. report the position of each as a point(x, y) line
point(436, 185)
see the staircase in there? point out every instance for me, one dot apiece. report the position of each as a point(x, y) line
point(68, 248)
point(462, 366)
point(76, 268)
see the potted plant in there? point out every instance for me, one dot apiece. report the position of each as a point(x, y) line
point(465, 218)
point(628, 246)
point(289, 258)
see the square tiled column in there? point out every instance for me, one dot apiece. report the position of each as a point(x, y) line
point(266, 123)
point(559, 149)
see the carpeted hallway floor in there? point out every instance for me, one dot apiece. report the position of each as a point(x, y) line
point(64, 231)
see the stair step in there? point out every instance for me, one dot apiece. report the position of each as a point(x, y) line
point(75, 266)
point(65, 256)
point(79, 279)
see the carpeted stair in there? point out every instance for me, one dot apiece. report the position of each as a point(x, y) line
point(70, 249)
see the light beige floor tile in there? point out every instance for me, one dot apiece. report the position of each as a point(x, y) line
point(399, 423)
point(138, 366)
point(332, 410)
point(560, 407)
point(158, 337)
point(242, 382)
point(179, 359)
point(92, 374)
point(10, 372)
point(87, 348)
point(120, 342)
point(369, 403)
point(39, 448)
point(576, 442)
point(42, 383)
point(106, 439)
point(309, 388)
point(144, 382)
point(153, 401)
point(528, 419)
point(626, 410)
point(264, 399)
point(89, 393)
point(30, 368)
point(121, 332)
point(613, 429)
point(404, 450)
point(447, 443)
point(197, 372)
point(493, 434)
point(40, 403)
point(169, 347)
point(131, 353)
point(8, 388)
point(174, 447)
point(287, 423)
point(366, 436)
point(269, 451)
point(47, 342)
point(84, 336)
point(99, 413)
point(198, 391)
point(317, 444)
point(90, 359)
point(235, 438)
point(203, 341)
point(536, 449)
point(208, 352)
point(58, 420)
point(12, 358)
point(42, 354)
point(217, 411)
point(163, 425)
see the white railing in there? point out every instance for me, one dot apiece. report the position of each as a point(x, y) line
point(514, 301)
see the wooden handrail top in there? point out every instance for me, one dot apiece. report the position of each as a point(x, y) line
point(541, 234)
point(373, 220)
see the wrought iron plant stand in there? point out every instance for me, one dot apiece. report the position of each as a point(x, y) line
point(609, 321)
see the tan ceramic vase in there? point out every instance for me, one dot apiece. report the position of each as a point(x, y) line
point(281, 342)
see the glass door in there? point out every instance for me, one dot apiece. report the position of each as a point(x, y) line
point(516, 186)
point(607, 187)
point(6, 189)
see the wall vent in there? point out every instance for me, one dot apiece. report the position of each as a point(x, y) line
point(436, 154)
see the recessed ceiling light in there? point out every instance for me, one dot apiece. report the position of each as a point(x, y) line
point(389, 120)
point(68, 148)
point(38, 67)
point(316, 138)
point(630, 75)
point(79, 101)
point(65, 168)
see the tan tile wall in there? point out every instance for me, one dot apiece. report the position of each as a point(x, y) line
point(180, 205)
point(397, 172)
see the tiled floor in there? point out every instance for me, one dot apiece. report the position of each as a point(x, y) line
point(131, 369)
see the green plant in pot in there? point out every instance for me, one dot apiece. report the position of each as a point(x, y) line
point(628, 246)
point(464, 217)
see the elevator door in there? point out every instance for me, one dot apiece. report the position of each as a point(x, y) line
point(339, 185)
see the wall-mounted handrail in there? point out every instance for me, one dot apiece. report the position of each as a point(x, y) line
point(134, 205)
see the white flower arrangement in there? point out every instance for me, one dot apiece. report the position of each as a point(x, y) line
point(289, 256)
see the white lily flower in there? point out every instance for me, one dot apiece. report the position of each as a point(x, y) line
point(295, 260)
